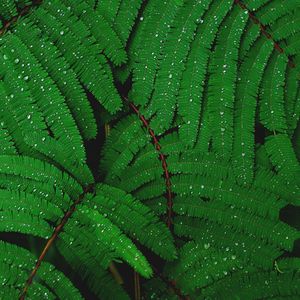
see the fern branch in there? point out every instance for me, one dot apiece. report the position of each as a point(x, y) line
point(172, 284)
point(112, 268)
point(22, 13)
point(52, 239)
point(169, 196)
point(162, 157)
point(137, 286)
point(264, 31)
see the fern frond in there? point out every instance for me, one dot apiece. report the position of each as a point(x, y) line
point(173, 63)
point(8, 9)
point(268, 230)
point(282, 156)
point(256, 284)
point(272, 113)
point(245, 107)
point(125, 18)
point(286, 26)
point(108, 9)
point(7, 145)
point(107, 38)
point(199, 265)
point(90, 267)
point(247, 248)
point(147, 55)
point(121, 146)
point(277, 184)
point(14, 265)
point(272, 10)
point(157, 289)
point(80, 53)
point(34, 169)
point(267, 12)
point(20, 201)
point(102, 231)
point(193, 78)
point(145, 228)
point(292, 97)
point(45, 94)
point(222, 81)
point(64, 76)
point(197, 172)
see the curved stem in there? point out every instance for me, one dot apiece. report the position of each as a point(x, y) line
point(264, 31)
point(23, 12)
point(163, 159)
point(52, 239)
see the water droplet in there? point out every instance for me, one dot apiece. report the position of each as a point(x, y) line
point(206, 246)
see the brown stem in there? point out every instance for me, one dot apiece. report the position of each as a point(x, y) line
point(264, 32)
point(115, 273)
point(137, 286)
point(162, 157)
point(51, 240)
point(23, 12)
point(112, 268)
point(172, 285)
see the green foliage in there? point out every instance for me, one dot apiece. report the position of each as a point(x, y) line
point(203, 98)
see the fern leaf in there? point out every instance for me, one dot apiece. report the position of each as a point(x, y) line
point(17, 261)
point(277, 185)
point(272, 113)
point(60, 71)
point(121, 146)
point(158, 289)
point(193, 77)
point(30, 168)
point(101, 30)
point(146, 228)
point(108, 9)
point(24, 222)
point(286, 26)
point(253, 5)
point(291, 97)
point(88, 66)
point(18, 114)
point(247, 248)
point(20, 201)
point(222, 82)
point(273, 10)
point(105, 232)
point(282, 156)
point(267, 12)
point(7, 9)
point(146, 57)
point(256, 285)
point(212, 140)
point(245, 106)
point(173, 63)
point(98, 279)
point(6, 146)
point(125, 18)
point(283, 237)
point(46, 96)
